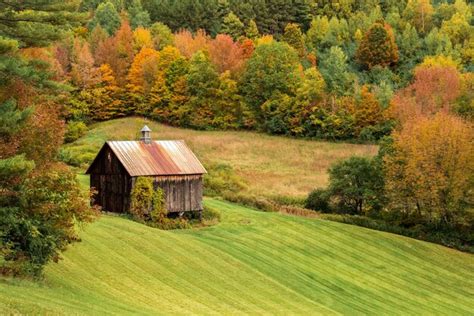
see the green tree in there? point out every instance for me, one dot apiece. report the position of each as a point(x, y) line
point(138, 16)
point(162, 35)
point(410, 45)
point(294, 38)
point(107, 17)
point(317, 32)
point(378, 47)
point(438, 43)
point(232, 26)
point(202, 82)
point(252, 30)
point(273, 67)
point(356, 185)
point(309, 95)
point(229, 110)
point(337, 33)
point(457, 28)
point(335, 71)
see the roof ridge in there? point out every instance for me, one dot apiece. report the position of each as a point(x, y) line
point(159, 158)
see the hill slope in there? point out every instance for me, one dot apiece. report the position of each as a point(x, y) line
point(271, 165)
point(253, 262)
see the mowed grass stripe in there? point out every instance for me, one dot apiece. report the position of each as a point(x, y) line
point(352, 268)
point(414, 275)
point(166, 251)
point(196, 255)
point(308, 279)
point(360, 253)
point(298, 278)
point(250, 263)
point(154, 272)
point(342, 251)
point(238, 282)
point(115, 283)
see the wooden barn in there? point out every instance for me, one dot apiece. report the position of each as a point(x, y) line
point(171, 164)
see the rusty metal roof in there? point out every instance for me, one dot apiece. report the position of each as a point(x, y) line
point(158, 158)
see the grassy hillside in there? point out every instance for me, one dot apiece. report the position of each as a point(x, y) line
point(270, 165)
point(253, 262)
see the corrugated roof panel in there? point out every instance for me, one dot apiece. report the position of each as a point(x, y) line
point(170, 157)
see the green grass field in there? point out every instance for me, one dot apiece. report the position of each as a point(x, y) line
point(251, 263)
point(270, 165)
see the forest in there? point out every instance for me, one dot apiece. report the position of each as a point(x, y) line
point(321, 70)
point(395, 73)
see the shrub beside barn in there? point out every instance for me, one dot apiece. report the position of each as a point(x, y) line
point(172, 165)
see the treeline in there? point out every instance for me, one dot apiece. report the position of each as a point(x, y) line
point(337, 80)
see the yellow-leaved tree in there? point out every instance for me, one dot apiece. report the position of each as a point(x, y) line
point(430, 169)
point(140, 80)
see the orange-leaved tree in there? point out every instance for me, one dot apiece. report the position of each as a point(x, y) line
point(226, 54)
point(367, 111)
point(117, 52)
point(83, 72)
point(189, 44)
point(435, 88)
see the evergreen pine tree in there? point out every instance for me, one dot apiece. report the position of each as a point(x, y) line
point(107, 17)
point(294, 38)
point(251, 31)
point(138, 16)
point(232, 26)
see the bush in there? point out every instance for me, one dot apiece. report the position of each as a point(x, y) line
point(147, 206)
point(147, 203)
point(209, 217)
point(373, 133)
point(166, 223)
point(76, 156)
point(74, 131)
point(221, 180)
point(210, 214)
point(318, 200)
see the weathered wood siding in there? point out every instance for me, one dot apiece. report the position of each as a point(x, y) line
point(182, 193)
point(112, 183)
point(113, 186)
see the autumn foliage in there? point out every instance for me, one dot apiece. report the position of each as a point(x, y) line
point(188, 44)
point(226, 54)
point(430, 172)
point(434, 89)
point(378, 47)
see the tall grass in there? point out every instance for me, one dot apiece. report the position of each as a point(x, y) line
point(271, 166)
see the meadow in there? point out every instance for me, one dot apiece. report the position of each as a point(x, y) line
point(269, 165)
point(251, 263)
